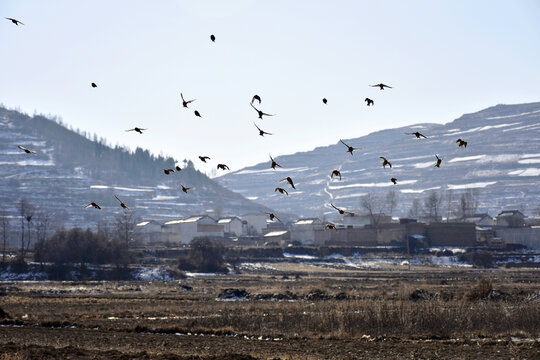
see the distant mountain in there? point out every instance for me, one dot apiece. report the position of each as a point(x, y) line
point(69, 171)
point(501, 162)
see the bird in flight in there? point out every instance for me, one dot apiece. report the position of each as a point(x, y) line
point(336, 173)
point(184, 102)
point(324, 101)
point(185, 189)
point(341, 211)
point(178, 168)
point(282, 190)
point(261, 132)
point(197, 113)
point(330, 227)
point(137, 129)
point(369, 101)
point(394, 180)
point(168, 171)
point(93, 85)
point(121, 203)
point(15, 21)
point(222, 167)
point(28, 151)
point(385, 162)
point(260, 112)
point(439, 161)
point(204, 158)
point(94, 205)
point(274, 163)
point(272, 216)
point(381, 86)
point(213, 38)
point(289, 180)
point(256, 97)
point(350, 149)
point(461, 143)
point(417, 134)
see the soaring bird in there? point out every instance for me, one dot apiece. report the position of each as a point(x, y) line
point(204, 158)
point(260, 112)
point(394, 180)
point(272, 216)
point(330, 227)
point(439, 161)
point(197, 113)
point(184, 102)
point(94, 205)
point(417, 134)
point(93, 85)
point(341, 212)
point(324, 101)
point(137, 129)
point(381, 86)
point(369, 101)
point(261, 132)
point(289, 180)
point(461, 143)
point(256, 97)
point(213, 38)
point(28, 151)
point(124, 206)
point(222, 167)
point(185, 189)
point(350, 149)
point(168, 171)
point(385, 162)
point(336, 173)
point(282, 190)
point(178, 168)
point(15, 21)
point(274, 163)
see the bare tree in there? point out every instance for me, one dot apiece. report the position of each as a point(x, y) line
point(4, 221)
point(449, 204)
point(374, 206)
point(42, 225)
point(468, 204)
point(392, 198)
point(416, 209)
point(432, 206)
point(125, 227)
point(24, 211)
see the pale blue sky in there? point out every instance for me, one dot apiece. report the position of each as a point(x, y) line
point(444, 58)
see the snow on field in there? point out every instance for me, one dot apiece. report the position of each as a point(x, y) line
point(29, 163)
point(153, 274)
point(424, 165)
point(99, 187)
point(384, 184)
point(504, 158)
point(413, 158)
point(131, 189)
point(470, 185)
point(525, 156)
point(163, 187)
point(271, 171)
point(418, 191)
point(530, 127)
point(353, 195)
point(515, 115)
point(529, 161)
point(298, 256)
point(164, 197)
point(252, 197)
point(526, 172)
point(466, 158)
point(482, 128)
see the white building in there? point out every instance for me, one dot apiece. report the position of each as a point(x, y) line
point(303, 230)
point(233, 226)
point(185, 230)
point(149, 231)
point(256, 222)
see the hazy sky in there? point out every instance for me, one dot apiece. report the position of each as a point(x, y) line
point(443, 58)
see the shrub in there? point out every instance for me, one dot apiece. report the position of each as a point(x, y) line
point(204, 255)
point(481, 290)
point(479, 259)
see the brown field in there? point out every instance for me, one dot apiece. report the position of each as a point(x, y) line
point(297, 311)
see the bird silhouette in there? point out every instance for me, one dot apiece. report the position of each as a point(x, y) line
point(93, 85)
point(274, 163)
point(341, 212)
point(137, 129)
point(184, 102)
point(185, 189)
point(394, 180)
point(213, 38)
point(369, 101)
point(197, 113)
point(439, 161)
point(168, 171)
point(461, 143)
point(381, 86)
point(272, 216)
point(417, 134)
point(178, 168)
point(330, 227)
point(260, 112)
point(222, 167)
point(261, 132)
point(121, 203)
point(204, 158)
point(94, 205)
point(28, 151)
point(15, 21)
point(350, 149)
point(336, 173)
point(385, 162)
point(324, 101)
point(289, 180)
point(256, 97)
point(282, 190)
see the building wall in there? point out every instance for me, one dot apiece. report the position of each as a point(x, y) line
point(451, 234)
point(528, 236)
point(257, 221)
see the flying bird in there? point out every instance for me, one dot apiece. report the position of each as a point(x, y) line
point(121, 203)
point(261, 132)
point(330, 227)
point(381, 86)
point(341, 212)
point(417, 134)
point(369, 101)
point(222, 167)
point(272, 216)
point(282, 190)
point(185, 189)
point(137, 129)
point(324, 101)
point(178, 168)
point(385, 162)
point(184, 102)
point(289, 180)
point(28, 151)
point(461, 143)
point(260, 112)
point(394, 180)
point(336, 173)
point(15, 21)
point(274, 163)
point(168, 171)
point(94, 85)
point(197, 113)
point(213, 38)
point(204, 158)
point(256, 97)
point(94, 205)
point(350, 149)
point(439, 161)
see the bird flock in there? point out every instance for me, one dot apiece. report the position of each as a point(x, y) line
point(257, 98)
